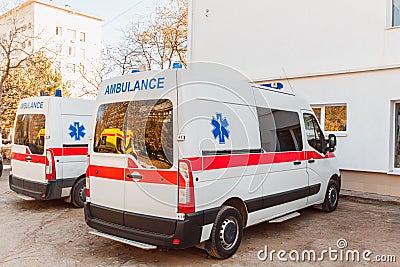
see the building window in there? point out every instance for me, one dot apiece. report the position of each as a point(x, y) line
point(395, 13)
point(82, 37)
point(59, 49)
point(82, 53)
point(332, 118)
point(58, 31)
point(71, 35)
point(71, 51)
point(71, 68)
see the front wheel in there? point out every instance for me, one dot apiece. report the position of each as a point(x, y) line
point(331, 197)
point(78, 194)
point(226, 233)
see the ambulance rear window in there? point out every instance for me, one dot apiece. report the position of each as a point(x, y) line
point(30, 132)
point(142, 129)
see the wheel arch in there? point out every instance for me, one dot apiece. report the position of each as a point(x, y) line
point(240, 206)
point(83, 176)
point(337, 179)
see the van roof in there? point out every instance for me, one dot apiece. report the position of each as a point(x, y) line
point(199, 81)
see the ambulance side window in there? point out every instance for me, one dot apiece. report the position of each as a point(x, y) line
point(280, 130)
point(315, 137)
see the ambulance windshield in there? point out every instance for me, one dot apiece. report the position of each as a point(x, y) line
point(30, 132)
point(142, 129)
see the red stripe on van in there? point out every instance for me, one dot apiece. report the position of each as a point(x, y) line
point(156, 176)
point(58, 152)
point(210, 163)
point(35, 158)
point(149, 176)
point(106, 172)
point(70, 151)
point(242, 160)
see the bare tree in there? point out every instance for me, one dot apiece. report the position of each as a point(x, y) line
point(93, 73)
point(154, 43)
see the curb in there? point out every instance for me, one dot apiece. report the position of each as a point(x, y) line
point(369, 197)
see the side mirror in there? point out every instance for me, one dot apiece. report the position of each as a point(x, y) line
point(332, 142)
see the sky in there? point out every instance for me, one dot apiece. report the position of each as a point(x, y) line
point(117, 14)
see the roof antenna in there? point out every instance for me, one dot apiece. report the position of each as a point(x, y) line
point(287, 79)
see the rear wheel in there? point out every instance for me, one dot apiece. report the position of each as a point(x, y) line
point(331, 197)
point(78, 194)
point(226, 233)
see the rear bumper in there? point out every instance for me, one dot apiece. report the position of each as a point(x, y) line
point(43, 191)
point(188, 231)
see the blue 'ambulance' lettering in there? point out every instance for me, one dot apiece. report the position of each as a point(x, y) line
point(139, 85)
point(32, 105)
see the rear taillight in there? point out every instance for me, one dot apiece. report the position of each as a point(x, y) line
point(88, 177)
point(50, 166)
point(186, 188)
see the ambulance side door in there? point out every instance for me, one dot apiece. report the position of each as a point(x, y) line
point(317, 158)
point(286, 180)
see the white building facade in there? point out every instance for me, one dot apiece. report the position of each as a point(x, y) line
point(342, 56)
point(73, 40)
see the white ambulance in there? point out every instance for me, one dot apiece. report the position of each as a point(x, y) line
point(49, 152)
point(211, 154)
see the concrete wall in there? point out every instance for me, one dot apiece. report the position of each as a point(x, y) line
point(262, 37)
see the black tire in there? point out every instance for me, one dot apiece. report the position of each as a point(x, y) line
point(331, 197)
point(78, 193)
point(226, 233)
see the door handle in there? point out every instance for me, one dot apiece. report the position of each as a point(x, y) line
point(135, 176)
point(311, 161)
point(297, 162)
point(28, 158)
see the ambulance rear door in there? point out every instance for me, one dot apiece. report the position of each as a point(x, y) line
point(30, 140)
point(151, 178)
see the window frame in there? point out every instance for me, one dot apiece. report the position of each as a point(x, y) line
point(59, 31)
point(82, 37)
point(323, 117)
point(392, 20)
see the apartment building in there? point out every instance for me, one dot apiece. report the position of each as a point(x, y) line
point(341, 55)
point(73, 40)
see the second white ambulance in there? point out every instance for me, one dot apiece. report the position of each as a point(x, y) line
point(210, 154)
point(49, 152)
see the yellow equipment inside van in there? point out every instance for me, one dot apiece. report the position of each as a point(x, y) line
point(112, 140)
